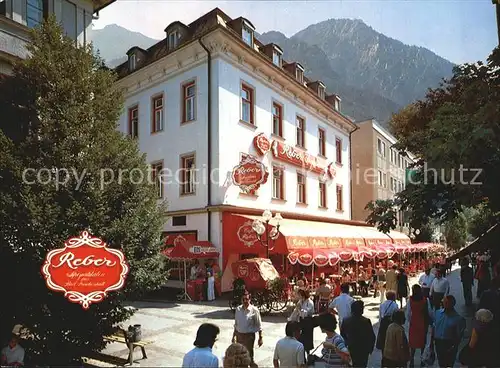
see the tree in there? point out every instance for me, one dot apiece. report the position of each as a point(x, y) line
point(455, 232)
point(59, 112)
point(455, 134)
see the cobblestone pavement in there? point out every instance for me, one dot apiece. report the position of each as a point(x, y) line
point(172, 327)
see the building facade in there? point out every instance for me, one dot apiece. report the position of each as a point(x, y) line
point(18, 16)
point(378, 169)
point(232, 130)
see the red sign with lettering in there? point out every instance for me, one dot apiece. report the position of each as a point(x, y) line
point(249, 175)
point(247, 235)
point(261, 143)
point(296, 157)
point(86, 270)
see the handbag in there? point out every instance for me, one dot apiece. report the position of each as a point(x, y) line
point(384, 324)
point(311, 358)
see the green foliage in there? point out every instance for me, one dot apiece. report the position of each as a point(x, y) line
point(455, 134)
point(456, 232)
point(59, 111)
point(383, 214)
point(481, 219)
point(277, 285)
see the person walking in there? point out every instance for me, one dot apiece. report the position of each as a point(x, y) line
point(403, 286)
point(391, 279)
point(201, 356)
point(386, 311)
point(341, 305)
point(447, 331)
point(335, 353)
point(358, 335)
point(323, 293)
point(418, 315)
point(289, 352)
point(482, 349)
point(396, 351)
point(302, 314)
point(483, 275)
point(248, 322)
point(467, 278)
point(439, 289)
point(425, 282)
point(381, 283)
point(236, 356)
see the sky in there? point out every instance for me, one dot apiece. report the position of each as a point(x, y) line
point(458, 30)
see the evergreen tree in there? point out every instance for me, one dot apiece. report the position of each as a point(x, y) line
point(59, 111)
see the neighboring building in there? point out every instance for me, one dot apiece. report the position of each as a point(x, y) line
point(378, 170)
point(18, 16)
point(210, 96)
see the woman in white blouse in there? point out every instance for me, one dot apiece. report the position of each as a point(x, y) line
point(303, 313)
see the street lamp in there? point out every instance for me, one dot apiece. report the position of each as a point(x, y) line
point(261, 227)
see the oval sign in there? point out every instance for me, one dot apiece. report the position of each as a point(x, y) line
point(249, 174)
point(86, 270)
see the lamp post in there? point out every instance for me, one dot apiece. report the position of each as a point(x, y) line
point(265, 235)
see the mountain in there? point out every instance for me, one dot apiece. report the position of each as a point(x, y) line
point(374, 75)
point(114, 41)
point(356, 102)
point(373, 61)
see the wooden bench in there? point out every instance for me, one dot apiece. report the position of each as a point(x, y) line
point(121, 337)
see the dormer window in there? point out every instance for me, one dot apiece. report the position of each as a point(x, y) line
point(321, 92)
point(277, 58)
point(299, 74)
point(247, 35)
point(132, 62)
point(173, 40)
point(337, 105)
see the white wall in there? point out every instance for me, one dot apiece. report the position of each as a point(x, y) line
point(176, 139)
point(194, 222)
point(237, 138)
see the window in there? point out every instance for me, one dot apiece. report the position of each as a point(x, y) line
point(247, 35)
point(276, 58)
point(299, 74)
point(301, 188)
point(278, 192)
point(322, 195)
point(322, 142)
point(277, 112)
point(156, 173)
point(189, 102)
point(401, 162)
point(338, 151)
point(157, 125)
point(178, 220)
point(393, 156)
point(173, 40)
point(132, 62)
point(34, 12)
point(336, 105)
point(187, 174)
point(69, 17)
point(382, 179)
point(133, 122)
point(340, 206)
point(300, 122)
point(321, 92)
point(247, 102)
point(381, 147)
point(394, 185)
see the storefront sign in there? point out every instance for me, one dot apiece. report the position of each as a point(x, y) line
point(179, 238)
point(199, 250)
point(243, 271)
point(296, 157)
point(249, 175)
point(247, 234)
point(261, 144)
point(86, 270)
point(302, 242)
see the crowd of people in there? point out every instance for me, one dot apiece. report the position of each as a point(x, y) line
point(349, 336)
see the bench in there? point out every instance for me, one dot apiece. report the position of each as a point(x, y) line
point(121, 337)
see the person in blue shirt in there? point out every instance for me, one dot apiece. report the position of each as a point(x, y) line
point(447, 332)
point(201, 356)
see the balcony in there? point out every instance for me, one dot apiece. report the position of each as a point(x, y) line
point(13, 39)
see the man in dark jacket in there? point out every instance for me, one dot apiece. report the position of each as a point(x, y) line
point(358, 334)
point(467, 277)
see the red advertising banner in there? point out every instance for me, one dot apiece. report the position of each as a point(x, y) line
point(249, 175)
point(296, 157)
point(179, 238)
point(261, 144)
point(86, 270)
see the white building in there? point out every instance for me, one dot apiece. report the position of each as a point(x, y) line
point(197, 100)
point(18, 16)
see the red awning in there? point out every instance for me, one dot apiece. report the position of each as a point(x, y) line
point(189, 250)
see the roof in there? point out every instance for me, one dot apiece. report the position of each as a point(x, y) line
point(101, 4)
point(202, 26)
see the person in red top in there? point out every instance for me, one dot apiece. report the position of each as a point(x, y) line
point(418, 315)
